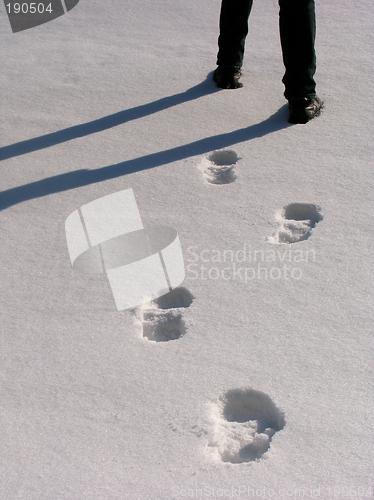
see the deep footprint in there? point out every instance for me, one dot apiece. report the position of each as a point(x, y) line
point(245, 421)
point(161, 319)
point(163, 326)
point(296, 223)
point(218, 167)
point(179, 297)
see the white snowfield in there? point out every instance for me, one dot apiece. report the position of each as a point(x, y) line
point(253, 379)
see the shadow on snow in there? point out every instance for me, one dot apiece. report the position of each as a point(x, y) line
point(84, 177)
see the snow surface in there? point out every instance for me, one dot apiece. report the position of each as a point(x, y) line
point(255, 383)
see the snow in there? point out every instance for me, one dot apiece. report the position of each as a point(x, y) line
point(254, 379)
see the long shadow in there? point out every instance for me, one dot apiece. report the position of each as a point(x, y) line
point(20, 148)
point(84, 177)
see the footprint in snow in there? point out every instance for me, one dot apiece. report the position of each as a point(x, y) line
point(296, 222)
point(161, 320)
point(243, 424)
point(218, 167)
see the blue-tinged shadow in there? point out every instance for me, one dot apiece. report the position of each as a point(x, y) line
point(80, 178)
point(23, 147)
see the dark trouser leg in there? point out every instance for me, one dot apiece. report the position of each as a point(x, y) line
point(297, 25)
point(233, 31)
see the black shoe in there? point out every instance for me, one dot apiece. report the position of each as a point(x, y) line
point(227, 77)
point(304, 109)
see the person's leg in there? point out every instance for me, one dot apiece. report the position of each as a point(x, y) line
point(297, 27)
point(233, 31)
